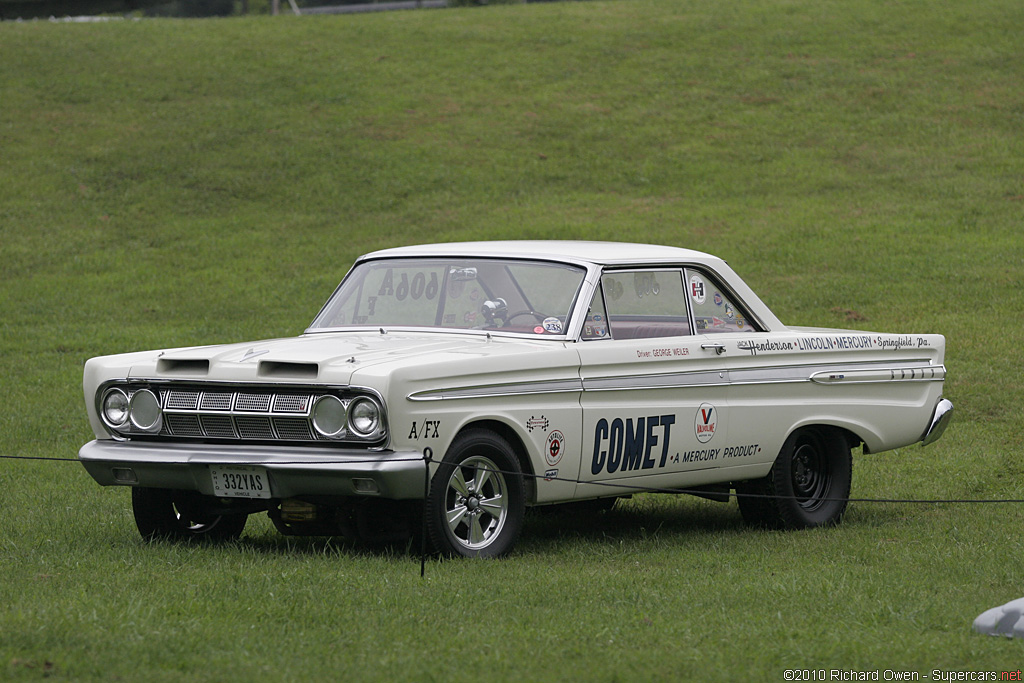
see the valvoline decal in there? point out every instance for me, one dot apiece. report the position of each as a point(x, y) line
point(704, 422)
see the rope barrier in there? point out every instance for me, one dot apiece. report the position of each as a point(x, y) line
point(34, 457)
point(427, 459)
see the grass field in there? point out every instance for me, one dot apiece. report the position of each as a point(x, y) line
point(167, 183)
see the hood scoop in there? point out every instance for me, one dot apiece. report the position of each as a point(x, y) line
point(285, 370)
point(183, 366)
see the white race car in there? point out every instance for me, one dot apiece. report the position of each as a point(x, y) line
point(467, 382)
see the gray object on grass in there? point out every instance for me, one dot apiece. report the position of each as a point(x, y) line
point(1007, 620)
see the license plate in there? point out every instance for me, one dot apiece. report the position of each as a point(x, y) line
point(240, 481)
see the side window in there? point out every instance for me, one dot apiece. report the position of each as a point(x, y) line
point(713, 310)
point(645, 303)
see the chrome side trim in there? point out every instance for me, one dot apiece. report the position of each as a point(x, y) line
point(905, 373)
point(776, 375)
point(706, 378)
point(827, 374)
point(785, 374)
point(556, 386)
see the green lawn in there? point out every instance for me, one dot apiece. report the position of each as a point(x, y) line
point(168, 183)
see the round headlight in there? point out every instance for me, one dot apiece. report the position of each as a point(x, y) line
point(115, 408)
point(329, 417)
point(364, 416)
point(145, 413)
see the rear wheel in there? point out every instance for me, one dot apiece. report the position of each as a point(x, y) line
point(807, 486)
point(476, 503)
point(181, 515)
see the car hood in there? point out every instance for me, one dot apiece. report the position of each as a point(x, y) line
point(326, 357)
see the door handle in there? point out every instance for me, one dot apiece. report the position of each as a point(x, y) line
point(719, 348)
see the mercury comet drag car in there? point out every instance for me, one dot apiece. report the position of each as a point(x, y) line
point(467, 382)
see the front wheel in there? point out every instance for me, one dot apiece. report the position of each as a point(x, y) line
point(180, 515)
point(808, 485)
point(476, 501)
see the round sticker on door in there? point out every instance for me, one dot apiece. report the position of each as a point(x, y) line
point(697, 289)
point(704, 422)
point(555, 447)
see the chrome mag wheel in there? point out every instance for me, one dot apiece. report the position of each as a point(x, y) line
point(477, 501)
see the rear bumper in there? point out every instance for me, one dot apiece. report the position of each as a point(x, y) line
point(293, 471)
point(940, 420)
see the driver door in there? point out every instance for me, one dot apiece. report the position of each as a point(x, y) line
point(654, 392)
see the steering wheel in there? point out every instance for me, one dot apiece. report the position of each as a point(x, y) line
point(540, 317)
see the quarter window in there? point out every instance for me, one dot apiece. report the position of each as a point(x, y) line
point(713, 309)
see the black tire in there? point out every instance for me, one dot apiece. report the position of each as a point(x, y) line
point(808, 485)
point(476, 502)
point(179, 515)
point(757, 510)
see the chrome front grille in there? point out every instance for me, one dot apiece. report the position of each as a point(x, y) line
point(284, 403)
point(181, 400)
point(218, 426)
point(256, 403)
point(182, 425)
point(220, 400)
point(261, 413)
point(219, 413)
point(293, 429)
point(255, 428)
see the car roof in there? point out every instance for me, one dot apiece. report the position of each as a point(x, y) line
point(602, 253)
point(592, 254)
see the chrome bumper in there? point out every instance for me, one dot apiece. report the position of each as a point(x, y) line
point(940, 420)
point(293, 471)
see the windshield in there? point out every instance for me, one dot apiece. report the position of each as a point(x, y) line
point(531, 297)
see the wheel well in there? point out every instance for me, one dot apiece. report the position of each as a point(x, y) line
point(518, 447)
point(852, 440)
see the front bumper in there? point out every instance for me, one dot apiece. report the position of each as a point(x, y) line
point(294, 472)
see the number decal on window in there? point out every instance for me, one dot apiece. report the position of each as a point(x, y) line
point(417, 288)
